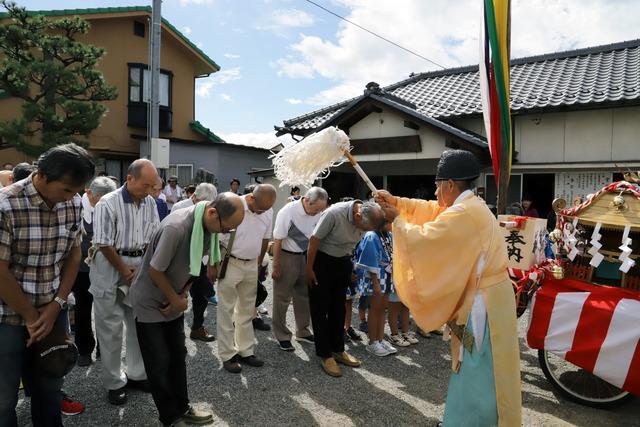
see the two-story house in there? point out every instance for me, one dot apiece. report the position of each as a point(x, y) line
point(124, 33)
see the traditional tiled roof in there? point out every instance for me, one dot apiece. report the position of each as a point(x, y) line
point(583, 78)
point(124, 10)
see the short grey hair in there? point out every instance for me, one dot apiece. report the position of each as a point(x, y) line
point(368, 210)
point(315, 194)
point(206, 191)
point(101, 185)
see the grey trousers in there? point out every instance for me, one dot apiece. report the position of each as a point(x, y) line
point(292, 285)
point(113, 319)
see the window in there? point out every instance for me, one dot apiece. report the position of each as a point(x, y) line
point(140, 85)
point(184, 172)
point(138, 29)
point(135, 82)
point(139, 95)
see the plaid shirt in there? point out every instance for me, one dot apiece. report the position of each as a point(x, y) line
point(35, 240)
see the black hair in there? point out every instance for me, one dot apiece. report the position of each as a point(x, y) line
point(67, 161)
point(21, 171)
point(224, 206)
point(294, 190)
point(236, 180)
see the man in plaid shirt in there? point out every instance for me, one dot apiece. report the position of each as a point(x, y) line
point(39, 258)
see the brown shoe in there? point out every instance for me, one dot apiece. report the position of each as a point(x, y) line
point(232, 365)
point(346, 359)
point(330, 366)
point(201, 334)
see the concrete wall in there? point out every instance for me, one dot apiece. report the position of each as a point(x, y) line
point(225, 161)
point(579, 136)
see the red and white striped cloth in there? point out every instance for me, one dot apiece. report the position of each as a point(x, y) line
point(594, 327)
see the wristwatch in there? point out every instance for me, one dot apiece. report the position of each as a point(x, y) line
point(61, 302)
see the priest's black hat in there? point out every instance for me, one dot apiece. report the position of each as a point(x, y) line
point(458, 165)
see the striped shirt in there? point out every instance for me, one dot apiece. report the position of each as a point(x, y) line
point(119, 222)
point(35, 240)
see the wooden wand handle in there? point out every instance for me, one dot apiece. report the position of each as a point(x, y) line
point(358, 169)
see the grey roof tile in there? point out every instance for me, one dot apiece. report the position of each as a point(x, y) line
point(608, 73)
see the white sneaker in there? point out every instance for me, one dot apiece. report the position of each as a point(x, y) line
point(399, 340)
point(262, 309)
point(378, 349)
point(391, 349)
point(410, 337)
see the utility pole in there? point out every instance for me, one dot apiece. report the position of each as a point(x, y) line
point(154, 102)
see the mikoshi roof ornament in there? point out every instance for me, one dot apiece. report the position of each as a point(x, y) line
point(313, 157)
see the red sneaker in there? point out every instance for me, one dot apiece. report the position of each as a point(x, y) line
point(69, 407)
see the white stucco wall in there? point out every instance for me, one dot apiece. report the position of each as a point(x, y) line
point(391, 124)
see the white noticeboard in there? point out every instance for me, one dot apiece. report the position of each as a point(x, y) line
point(570, 185)
point(160, 152)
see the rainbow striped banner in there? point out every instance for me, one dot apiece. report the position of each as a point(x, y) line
point(494, 85)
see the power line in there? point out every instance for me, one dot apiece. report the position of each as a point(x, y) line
point(374, 34)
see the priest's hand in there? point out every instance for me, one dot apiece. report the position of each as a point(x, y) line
point(390, 212)
point(383, 197)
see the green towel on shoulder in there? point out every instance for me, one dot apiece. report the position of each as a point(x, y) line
point(197, 242)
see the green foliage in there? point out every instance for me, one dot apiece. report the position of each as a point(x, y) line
point(42, 63)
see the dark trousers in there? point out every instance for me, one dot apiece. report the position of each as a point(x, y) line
point(84, 338)
point(326, 301)
point(15, 362)
point(201, 290)
point(164, 352)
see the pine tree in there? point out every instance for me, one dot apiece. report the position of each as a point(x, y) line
point(55, 75)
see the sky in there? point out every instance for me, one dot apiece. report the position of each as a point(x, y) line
point(283, 58)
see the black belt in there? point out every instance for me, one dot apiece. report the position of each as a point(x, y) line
point(294, 253)
point(133, 254)
point(240, 259)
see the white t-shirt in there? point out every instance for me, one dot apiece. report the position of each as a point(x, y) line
point(172, 195)
point(250, 233)
point(294, 227)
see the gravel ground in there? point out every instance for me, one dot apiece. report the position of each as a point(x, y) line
point(291, 389)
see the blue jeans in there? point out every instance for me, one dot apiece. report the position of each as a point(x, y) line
point(46, 397)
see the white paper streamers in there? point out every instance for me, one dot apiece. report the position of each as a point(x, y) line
point(625, 251)
point(596, 257)
point(570, 238)
point(302, 163)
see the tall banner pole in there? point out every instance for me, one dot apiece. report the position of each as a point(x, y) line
point(494, 74)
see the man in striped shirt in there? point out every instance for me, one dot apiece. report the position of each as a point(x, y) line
point(123, 223)
point(40, 221)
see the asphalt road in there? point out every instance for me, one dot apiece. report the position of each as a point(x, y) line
point(291, 389)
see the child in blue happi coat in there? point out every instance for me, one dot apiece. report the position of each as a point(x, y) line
point(374, 264)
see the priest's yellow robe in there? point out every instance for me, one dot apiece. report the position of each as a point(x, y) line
point(437, 253)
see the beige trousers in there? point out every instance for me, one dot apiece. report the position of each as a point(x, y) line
point(292, 284)
point(236, 304)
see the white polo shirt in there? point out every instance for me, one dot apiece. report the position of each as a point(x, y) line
point(294, 226)
point(250, 233)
